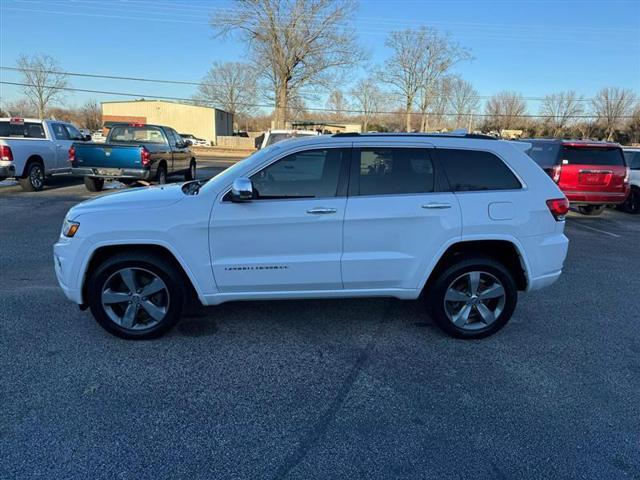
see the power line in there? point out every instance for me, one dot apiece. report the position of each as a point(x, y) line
point(317, 109)
point(192, 83)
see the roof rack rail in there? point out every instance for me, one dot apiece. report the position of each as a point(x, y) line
point(478, 136)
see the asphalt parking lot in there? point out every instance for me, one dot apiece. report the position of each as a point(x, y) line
point(320, 389)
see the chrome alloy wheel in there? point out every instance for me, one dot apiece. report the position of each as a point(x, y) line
point(135, 298)
point(474, 300)
point(36, 176)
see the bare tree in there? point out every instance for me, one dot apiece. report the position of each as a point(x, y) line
point(505, 110)
point(419, 59)
point(560, 109)
point(22, 107)
point(369, 99)
point(44, 80)
point(611, 105)
point(337, 105)
point(294, 43)
point(230, 86)
point(463, 102)
point(91, 113)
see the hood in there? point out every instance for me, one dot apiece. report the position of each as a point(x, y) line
point(134, 198)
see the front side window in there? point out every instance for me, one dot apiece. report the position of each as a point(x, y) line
point(74, 133)
point(473, 170)
point(309, 174)
point(394, 171)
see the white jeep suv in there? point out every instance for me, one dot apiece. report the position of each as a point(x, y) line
point(462, 222)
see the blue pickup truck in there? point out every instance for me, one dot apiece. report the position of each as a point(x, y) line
point(133, 152)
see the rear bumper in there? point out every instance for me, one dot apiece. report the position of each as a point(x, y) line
point(132, 173)
point(596, 198)
point(7, 169)
point(546, 254)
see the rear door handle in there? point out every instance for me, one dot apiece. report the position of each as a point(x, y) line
point(321, 210)
point(437, 205)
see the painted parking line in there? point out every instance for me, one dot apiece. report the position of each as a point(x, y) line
point(604, 232)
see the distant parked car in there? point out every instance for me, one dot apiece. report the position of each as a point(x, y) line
point(98, 136)
point(32, 149)
point(194, 140)
point(274, 136)
point(132, 152)
point(632, 203)
point(591, 174)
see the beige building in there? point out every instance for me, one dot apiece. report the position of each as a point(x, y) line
point(202, 122)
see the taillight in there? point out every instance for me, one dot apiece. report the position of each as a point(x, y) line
point(6, 155)
point(72, 154)
point(627, 175)
point(145, 157)
point(555, 173)
point(558, 207)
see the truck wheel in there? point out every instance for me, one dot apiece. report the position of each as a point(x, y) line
point(33, 179)
point(94, 184)
point(591, 210)
point(473, 298)
point(136, 295)
point(191, 173)
point(161, 175)
point(632, 203)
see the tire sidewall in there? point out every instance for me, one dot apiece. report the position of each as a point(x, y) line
point(436, 296)
point(162, 270)
point(161, 176)
point(635, 196)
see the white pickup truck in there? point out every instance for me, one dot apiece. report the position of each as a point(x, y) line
point(32, 149)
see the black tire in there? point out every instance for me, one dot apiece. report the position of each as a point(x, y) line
point(591, 210)
point(191, 173)
point(161, 174)
point(156, 265)
point(632, 203)
point(33, 178)
point(474, 327)
point(94, 184)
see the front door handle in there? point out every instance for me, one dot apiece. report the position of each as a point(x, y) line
point(437, 205)
point(321, 210)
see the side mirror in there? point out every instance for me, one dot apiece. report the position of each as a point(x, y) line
point(187, 142)
point(241, 190)
point(87, 138)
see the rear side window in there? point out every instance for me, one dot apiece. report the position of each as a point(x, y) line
point(544, 154)
point(633, 159)
point(393, 171)
point(26, 130)
point(471, 170)
point(592, 156)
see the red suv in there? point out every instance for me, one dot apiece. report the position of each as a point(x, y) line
point(591, 174)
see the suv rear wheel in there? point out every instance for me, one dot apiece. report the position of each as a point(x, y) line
point(592, 210)
point(136, 295)
point(473, 298)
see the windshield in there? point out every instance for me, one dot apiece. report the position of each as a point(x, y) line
point(230, 173)
point(134, 134)
point(592, 156)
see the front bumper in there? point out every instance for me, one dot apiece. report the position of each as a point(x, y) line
point(123, 173)
point(67, 255)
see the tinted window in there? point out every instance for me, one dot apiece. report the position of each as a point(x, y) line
point(388, 171)
point(310, 174)
point(74, 133)
point(26, 130)
point(59, 131)
point(633, 159)
point(592, 156)
point(544, 154)
point(469, 170)
point(130, 134)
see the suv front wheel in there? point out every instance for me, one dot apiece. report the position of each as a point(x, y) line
point(136, 295)
point(473, 298)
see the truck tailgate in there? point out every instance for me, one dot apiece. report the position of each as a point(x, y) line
point(109, 155)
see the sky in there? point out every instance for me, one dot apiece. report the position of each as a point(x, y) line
point(534, 47)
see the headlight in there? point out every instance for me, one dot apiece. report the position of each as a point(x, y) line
point(70, 228)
